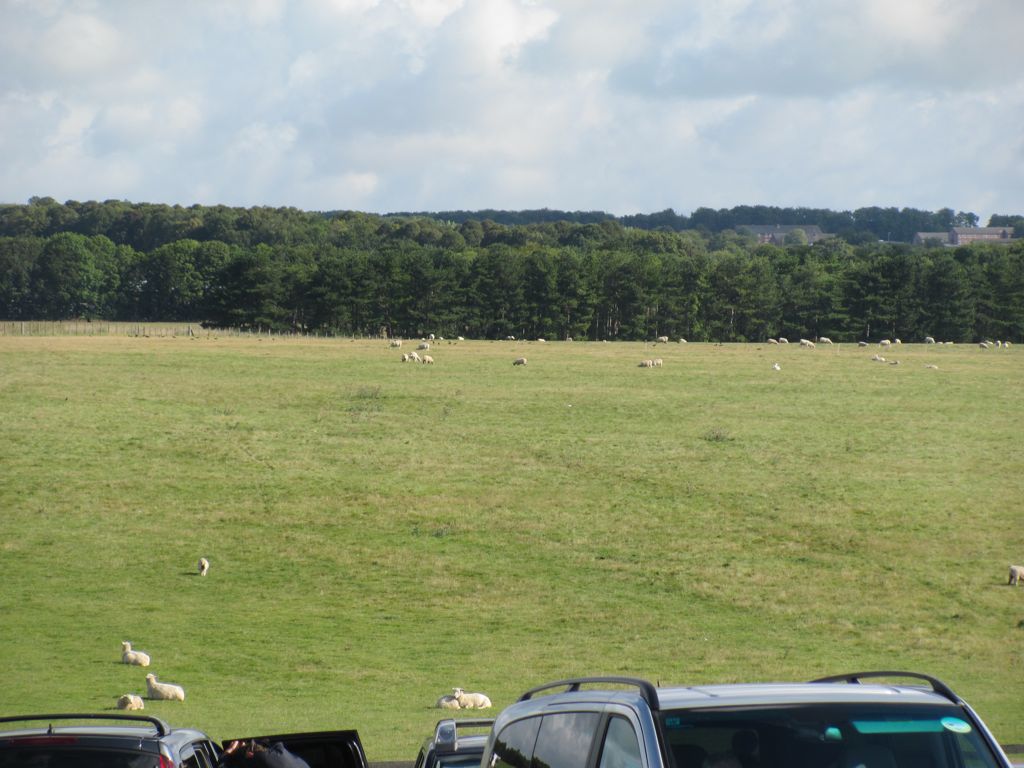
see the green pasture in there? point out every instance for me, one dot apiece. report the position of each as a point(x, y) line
point(380, 532)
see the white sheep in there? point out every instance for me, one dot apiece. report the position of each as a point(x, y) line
point(130, 701)
point(885, 343)
point(862, 343)
point(896, 341)
point(1016, 575)
point(424, 345)
point(983, 344)
point(427, 359)
point(806, 343)
point(519, 361)
point(395, 343)
point(128, 656)
point(510, 338)
point(929, 339)
point(661, 340)
point(460, 338)
point(168, 691)
point(204, 566)
point(646, 364)
point(682, 341)
point(658, 362)
point(430, 336)
point(773, 341)
point(413, 357)
point(776, 367)
point(1006, 345)
point(471, 700)
point(783, 340)
point(405, 358)
point(824, 340)
point(932, 366)
point(568, 338)
point(448, 701)
point(541, 341)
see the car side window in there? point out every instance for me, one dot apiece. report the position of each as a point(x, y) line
point(621, 748)
point(513, 748)
point(565, 740)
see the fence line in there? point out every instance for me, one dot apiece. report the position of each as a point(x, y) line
point(146, 330)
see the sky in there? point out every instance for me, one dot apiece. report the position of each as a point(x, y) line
point(624, 106)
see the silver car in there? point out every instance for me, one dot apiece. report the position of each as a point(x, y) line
point(834, 722)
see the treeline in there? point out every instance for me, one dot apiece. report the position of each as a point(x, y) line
point(353, 273)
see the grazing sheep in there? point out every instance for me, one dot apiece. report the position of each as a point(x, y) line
point(658, 362)
point(682, 341)
point(430, 336)
point(204, 566)
point(824, 340)
point(806, 343)
point(168, 691)
point(568, 338)
point(541, 341)
point(427, 359)
point(776, 367)
point(424, 345)
point(413, 357)
point(878, 358)
point(130, 701)
point(471, 700)
point(1016, 575)
point(783, 340)
point(929, 339)
point(1006, 345)
point(772, 341)
point(646, 364)
point(896, 341)
point(661, 340)
point(983, 344)
point(405, 358)
point(395, 343)
point(128, 656)
point(510, 338)
point(885, 343)
point(448, 701)
point(460, 338)
point(862, 343)
point(519, 361)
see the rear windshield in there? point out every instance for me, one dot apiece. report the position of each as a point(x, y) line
point(47, 756)
point(825, 736)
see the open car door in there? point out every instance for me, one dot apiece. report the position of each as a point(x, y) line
point(320, 749)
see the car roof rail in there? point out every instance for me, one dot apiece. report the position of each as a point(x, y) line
point(647, 690)
point(161, 727)
point(855, 677)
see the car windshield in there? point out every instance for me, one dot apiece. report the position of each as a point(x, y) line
point(40, 756)
point(825, 736)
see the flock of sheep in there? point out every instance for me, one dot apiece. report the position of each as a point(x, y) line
point(155, 690)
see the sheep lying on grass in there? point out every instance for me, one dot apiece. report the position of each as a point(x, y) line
point(168, 691)
point(128, 656)
point(448, 701)
point(471, 700)
point(130, 701)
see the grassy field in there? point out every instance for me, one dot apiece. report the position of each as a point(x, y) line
point(381, 532)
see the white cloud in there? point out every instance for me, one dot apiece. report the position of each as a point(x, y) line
point(433, 104)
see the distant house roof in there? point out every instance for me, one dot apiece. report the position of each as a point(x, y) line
point(776, 233)
point(985, 231)
point(922, 237)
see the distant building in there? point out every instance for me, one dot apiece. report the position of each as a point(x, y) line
point(776, 233)
point(964, 235)
point(961, 235)
point(931, 238)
